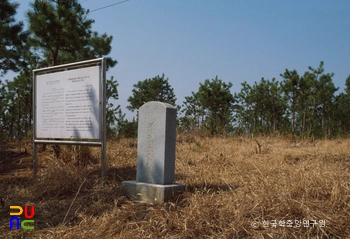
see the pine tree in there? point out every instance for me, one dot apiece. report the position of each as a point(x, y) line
point(244, 110)
point(347, 85)
point(61, 33)
point(341, 112)
point(321, 101)
point(213, 103)
point(126, 128)
point(260, 108)
point(341, 115)
point(155, 89)
point(12, 38)
point(111, 110)
point(17, 106)
point(193, 114)
point(290, 87)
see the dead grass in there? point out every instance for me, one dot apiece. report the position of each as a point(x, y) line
point(232, 191)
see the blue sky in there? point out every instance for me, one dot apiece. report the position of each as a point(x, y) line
point(194, 40)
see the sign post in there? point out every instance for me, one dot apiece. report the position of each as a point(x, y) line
point(70, 106)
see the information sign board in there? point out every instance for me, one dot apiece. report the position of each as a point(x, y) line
point(68, 104)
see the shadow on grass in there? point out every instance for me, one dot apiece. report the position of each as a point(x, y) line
point(64, 199)
point(208, 188)
point(11, 161)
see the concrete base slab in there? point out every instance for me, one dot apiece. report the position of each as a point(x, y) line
point(152, 193)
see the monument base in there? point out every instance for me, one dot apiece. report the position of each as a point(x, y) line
point(152, 193)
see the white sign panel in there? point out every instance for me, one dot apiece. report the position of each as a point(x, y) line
point(68, 104)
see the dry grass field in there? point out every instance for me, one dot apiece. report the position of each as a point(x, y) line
point(234, 189)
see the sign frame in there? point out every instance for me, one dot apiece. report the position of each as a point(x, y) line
point(97, 142)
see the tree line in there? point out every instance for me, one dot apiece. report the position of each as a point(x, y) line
point(60, 31)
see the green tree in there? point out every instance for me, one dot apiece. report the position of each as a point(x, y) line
point(290, 87)
point(244, 110)
point(61, 33)
point(212, 103)
point(341, 112)
point(305, 102)
point(155, 89)
point(16, 99)
point(314, 76)
point(126, 128)
point(326, 90)
point(347, 85)
point(311, 101)
point(12, 38)
point(193, 114)
point(319, 101)
point(260, 108)
point(341, 120)
point(17, 105)
point(111, 110)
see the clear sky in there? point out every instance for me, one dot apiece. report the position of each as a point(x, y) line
point(237, 40)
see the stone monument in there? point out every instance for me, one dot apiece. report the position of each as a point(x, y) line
point(156, 144)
